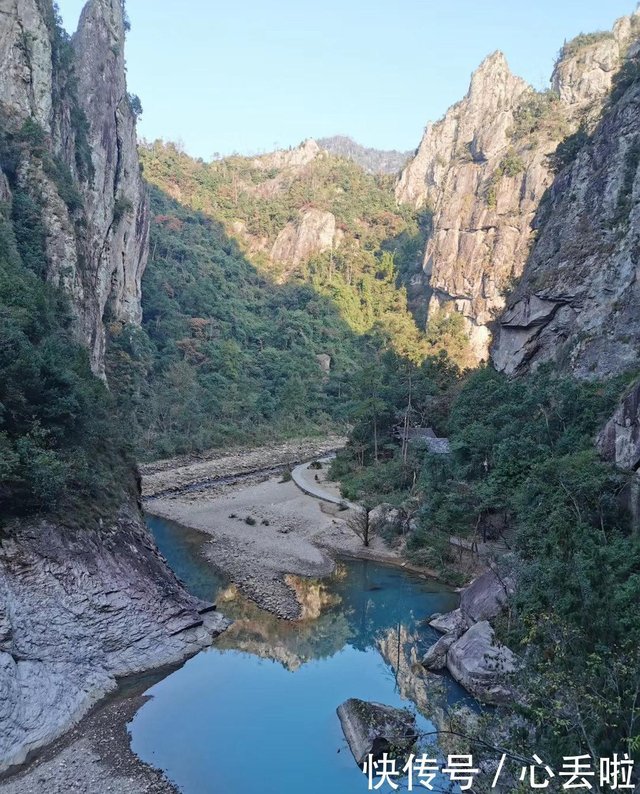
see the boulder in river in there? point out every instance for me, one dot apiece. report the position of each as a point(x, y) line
point(436, 657)
point(481, 664)
point(451, 623)
point(374, 729)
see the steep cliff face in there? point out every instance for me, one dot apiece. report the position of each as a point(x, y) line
point(84, 595)
point(70, 132)
point(484, 168)
point(116, 202)
point(576, 304)
point(26, 61)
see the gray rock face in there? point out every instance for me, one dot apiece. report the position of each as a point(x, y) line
point(436, 657)
point(468, 649)
point(79, 608)
point(485, 597)
point(576, 304)
point(451, 623)
point(97, 238)
point(116, 201)
point(372, 728)
point(387, 520)
point(26, 84)
point(324, 362)
point(484, 173)
point(480, 664)
point(619, 440)
point(619, 443)
point(313, 233)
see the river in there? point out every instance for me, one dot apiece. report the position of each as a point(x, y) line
point(256, 712)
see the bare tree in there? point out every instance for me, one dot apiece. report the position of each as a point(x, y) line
point(360, 523)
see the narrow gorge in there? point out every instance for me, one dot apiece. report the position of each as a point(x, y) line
point(380, 407)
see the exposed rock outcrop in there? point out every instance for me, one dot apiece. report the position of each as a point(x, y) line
point(67, 104)
point(484, 168)
point(481, 664)
point(313, 233)
point(116, 202)
point(25, 61)
point(79, 608)
point(388, 520)
point(374, 729)
point(576, 304)
point(468, 648)
point(619, 443)
point(619, 440)
point(289, 158)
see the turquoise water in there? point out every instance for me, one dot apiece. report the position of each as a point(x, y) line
point(257, 712)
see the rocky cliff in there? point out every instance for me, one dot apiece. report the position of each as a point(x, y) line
point(484, 168)
point(70, 148)
point(314, 232)
point(576, 304)
point(79, 609)
point(84, 595)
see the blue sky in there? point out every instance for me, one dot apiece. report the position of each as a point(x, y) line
point(250, 75)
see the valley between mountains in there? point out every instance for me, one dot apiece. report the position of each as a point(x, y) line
point(322, 424)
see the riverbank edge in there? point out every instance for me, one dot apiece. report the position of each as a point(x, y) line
point(97, 745)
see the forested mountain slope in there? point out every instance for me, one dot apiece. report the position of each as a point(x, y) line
point(271, 282)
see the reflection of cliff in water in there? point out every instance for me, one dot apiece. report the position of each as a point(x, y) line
point(291, 643)
point(432, 693)
point(360, 602)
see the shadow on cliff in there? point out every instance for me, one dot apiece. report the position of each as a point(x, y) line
point(225, 353)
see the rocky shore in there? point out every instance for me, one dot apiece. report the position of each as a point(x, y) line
point(95, 757)
point(80, 608)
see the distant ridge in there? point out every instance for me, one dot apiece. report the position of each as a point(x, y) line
point(374, 161)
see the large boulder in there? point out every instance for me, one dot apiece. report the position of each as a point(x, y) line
point(436, 657)
point(485, 598)
point(374, 729)
point(481, 664)
point(388, 521)
point(451, 623)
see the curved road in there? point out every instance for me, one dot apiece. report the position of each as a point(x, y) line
point(304, 478)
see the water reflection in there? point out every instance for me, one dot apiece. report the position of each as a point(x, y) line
point(257, 711)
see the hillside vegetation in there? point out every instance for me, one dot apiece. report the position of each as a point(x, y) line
point(376, 248)
point(225, 354)
point(238, 346)
point(60, 450)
